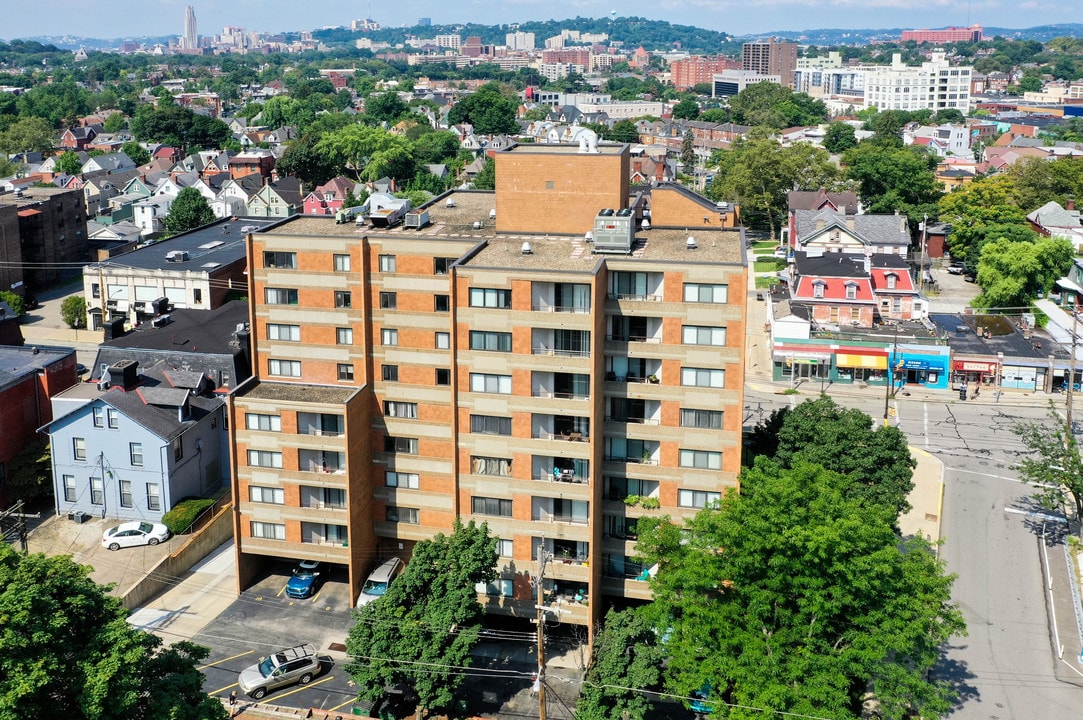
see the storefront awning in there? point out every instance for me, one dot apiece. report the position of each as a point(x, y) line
point(874, 362)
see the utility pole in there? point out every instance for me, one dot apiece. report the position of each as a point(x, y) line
point(543, 556)
point(889, 386)
point(1071, 370)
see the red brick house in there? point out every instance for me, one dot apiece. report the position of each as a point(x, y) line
point(327, 199)
point(79, 138)
point(252, 162)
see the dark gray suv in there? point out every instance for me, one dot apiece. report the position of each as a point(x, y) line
point(295, 665)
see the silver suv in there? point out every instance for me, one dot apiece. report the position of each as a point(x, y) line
point(295, 665)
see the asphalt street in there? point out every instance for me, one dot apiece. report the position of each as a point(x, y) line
point(1009, 666)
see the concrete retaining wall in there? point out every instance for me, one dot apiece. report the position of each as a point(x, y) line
point(171, 567)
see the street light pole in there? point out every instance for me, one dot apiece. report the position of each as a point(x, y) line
point(889, 386)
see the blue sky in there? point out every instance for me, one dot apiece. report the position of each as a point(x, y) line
point(120, 18)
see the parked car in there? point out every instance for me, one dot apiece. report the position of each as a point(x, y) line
point(379, 580)
point(956, 268)
point(294, 665)
point(307, 578)
point(134, 533)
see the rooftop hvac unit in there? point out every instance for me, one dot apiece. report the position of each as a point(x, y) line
point(614, 232)
point(418, 219)
point(176, 256)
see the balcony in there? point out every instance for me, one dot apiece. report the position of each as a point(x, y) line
point(560, 343)
point(561, 470)
point(634, 328)
point(561, 386)
point(567, 428)
point(560, 297)
point(323, 462)
point(322, 424)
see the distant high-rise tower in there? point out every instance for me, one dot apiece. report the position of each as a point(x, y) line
point(770, 58)
point(190, 41)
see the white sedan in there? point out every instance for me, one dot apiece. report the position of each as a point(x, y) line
point(134, 533)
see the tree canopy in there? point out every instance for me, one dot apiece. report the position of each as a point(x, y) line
point(843, 440)
point(796, 596)
point(894, 178)
point(775, 106)
point(1053, 463)
point(188, 211)
point(178, 127)
point(1014, 271)
point(430, 614)
point(28, 134)
point(627, 654)
point(839, 137)
point(488, 110)
point(67, 650)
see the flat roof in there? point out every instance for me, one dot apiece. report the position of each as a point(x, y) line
point(204, 331)
point(17, 362)
point(221, 243)
point(296, 392)
point(567, 149)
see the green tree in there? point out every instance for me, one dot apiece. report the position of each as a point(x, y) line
point(795, 596)
point(686, 109)
point(1053, 463)
point(369, 152)
point(73, 311)
point(15, 302)
point(1012, 272)
point(842, 440)
point(757, 173)
point(188, 211)
point(430, 615)
point(486, 179)
point(30, 473)
point(69, 163)
point(385, 107)
point(27, 135)
point(839, 137)
point(770, 105)
point(67, 650)
point(139, 154)
point(979, 211)
point(302, 160)
point(716, 115)
point(623, 131)
point(436, 147)
point(627, 654)
point(114, 123)
point(893, 179)
point(1035, 181)
point(688, 152)
point(489, 110)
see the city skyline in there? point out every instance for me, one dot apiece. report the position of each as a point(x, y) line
point(162, 17)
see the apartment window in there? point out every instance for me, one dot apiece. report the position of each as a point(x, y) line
point(701, 377)
point(505, 548)
point(892, 281)
point(701, 459)
point(97, 491)
point(818, 289)
point(135, 454)
point(439, 266)
point(389, 300)
point(409, 481)
point(704, 293)
point(321, 497)
point(283, 260)
point(78, 448)
point(389, 336)
point(492, 341)
point(268, 531)
point(343, 299)
point(280, 296)
point(406, 446)
point(69, 488)
point(497, 507)
point(284, 368)
point(700, 335)
point(256, 421)
point(345, 372)
point(501, 467)
point(197, 296)
point(264, 458)
point(390, 373)
point(441, 303)
point(342, 263)
point(485, 383)
point(291, 333)
point(400, 409)
point(178, 450)
point(497, 588)
point(387, 263)
point(490, 425)
point(443, 376)
point(851, 292)
point(711, 419)
point(697, 498)
point(490, 298)
point(273, 496)
point(406, 515)
point(95, 290)
point(344, 336)
point(443, 341)
point(99, 416)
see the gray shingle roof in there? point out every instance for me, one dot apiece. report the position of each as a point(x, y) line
point(873, 229)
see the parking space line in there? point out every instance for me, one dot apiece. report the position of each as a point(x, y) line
point(299, 688)
point(219, 690)
point(279, 593)
point(348, 702)
point(204, 667)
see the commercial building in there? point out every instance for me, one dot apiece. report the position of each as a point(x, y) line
point(557, 359)
point(946, 35)
point(730, 82)
point(770, 58)
point(935, 85)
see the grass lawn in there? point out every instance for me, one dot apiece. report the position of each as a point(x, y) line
point(764, 245)
point(769, 265)
point(766, 281)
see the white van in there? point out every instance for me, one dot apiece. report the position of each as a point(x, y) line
point(379, 580)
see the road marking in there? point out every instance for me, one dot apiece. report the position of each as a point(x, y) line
point(1044, 486)
point(299, 688)
point(227, 687)
point(1039, 515)
point(249, 652)
point(279, 593)
point(352, 700)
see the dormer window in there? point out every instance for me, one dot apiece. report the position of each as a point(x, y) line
point(818, 289)
point(851, 291)
point(892, 279)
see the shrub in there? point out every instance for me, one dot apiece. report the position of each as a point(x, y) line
point(184, 513)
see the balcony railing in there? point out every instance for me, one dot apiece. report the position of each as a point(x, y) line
point(631, 296)
point(560, 308)
point(563, 517)
point(568, 436)
point(559, 352)
point(558, 395)
point(637, 460)
point(633, 420)
point(562, 476)
point(635, 338)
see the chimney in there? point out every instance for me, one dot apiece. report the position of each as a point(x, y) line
point(851, 222)
point(1069, 204)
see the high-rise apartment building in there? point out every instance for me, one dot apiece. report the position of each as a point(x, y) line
point(451, 40)
point(936, 85)
point(686, 74)
point(770, 58)
point(519, 40)
point(540, 358)
point(190, 40)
